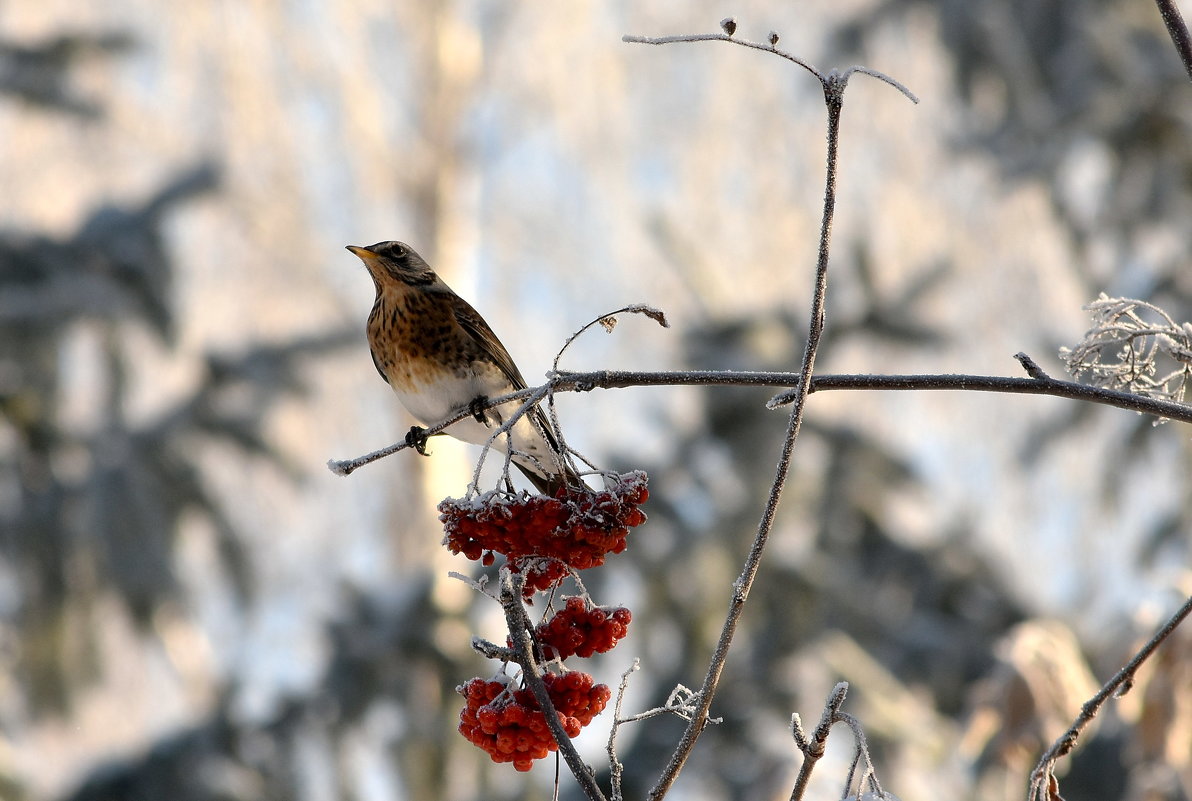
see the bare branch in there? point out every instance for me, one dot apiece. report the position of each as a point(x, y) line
point(1043, 780)
point(620, 379)
point(725, 37)
point(348, 466)
point(1178, 31)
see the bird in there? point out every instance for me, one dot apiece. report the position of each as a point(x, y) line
point(440, 357)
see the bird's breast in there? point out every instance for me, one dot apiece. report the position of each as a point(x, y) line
point(427, 358)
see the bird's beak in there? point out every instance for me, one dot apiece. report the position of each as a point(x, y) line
point(371, 260)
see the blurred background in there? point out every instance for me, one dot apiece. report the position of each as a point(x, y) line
point(192, 607)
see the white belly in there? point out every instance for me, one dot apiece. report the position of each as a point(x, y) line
point(442, 400)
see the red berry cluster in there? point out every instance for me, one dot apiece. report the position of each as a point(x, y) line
point(580, 629)
point(545, 539)
point(509, 725)
point(545, 536)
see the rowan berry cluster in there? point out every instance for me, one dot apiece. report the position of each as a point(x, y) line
point(546, 536)
point(579, 629)
point(545, 539)
point(509, 725)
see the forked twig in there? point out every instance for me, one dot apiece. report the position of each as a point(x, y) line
point(813, 748)
point(729, 27)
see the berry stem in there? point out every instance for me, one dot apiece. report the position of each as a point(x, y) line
point(512, 586)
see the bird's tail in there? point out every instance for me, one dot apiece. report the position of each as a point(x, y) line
point(550, 484)
point(549, 471)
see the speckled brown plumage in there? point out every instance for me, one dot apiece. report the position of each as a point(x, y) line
point(439, 355)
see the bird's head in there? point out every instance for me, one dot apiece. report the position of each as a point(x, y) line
point(395, 261)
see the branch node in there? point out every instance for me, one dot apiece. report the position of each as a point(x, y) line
point(798, 733)
point(1031, 367)
point(490, 650)
point(340, 467)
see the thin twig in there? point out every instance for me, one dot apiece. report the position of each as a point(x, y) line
point(608, 322)
point(1043, 776)
point(616, 769)
point(490, 650)
point(722, 37)
point(1178, 31)
point(861, 755)
point(506, 430)
point(1031, 366)
point(771, 47)
point(519, 632)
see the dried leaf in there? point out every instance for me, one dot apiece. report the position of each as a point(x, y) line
point(657, 315)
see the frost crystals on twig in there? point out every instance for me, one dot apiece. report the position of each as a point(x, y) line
point(609, 321)
point(682, 702)
point(728, 26)
point(858, 785)
point(1134, 346)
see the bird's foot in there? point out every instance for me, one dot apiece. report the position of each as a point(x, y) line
point(416, 438)
point(476, 407)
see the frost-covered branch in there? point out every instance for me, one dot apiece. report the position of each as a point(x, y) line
point(621, 379)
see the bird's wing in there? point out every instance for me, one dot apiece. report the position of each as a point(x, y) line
point(470, 320)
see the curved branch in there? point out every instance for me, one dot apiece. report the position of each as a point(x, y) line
point(826, 79)
point(723, 37)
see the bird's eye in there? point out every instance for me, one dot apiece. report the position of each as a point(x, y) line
point(397, 252)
